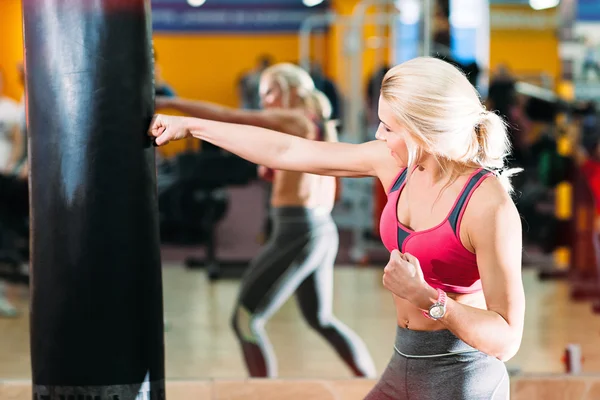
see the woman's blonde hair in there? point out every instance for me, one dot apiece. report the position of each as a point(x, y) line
point(289, 76)
point(444, 115)
point(321, 107)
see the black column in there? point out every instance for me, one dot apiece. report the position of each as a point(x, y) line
point(96, 290)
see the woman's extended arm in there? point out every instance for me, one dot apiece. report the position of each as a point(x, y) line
point(280, 151)
point(291, 122)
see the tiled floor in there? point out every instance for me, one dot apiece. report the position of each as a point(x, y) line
point(200, 344)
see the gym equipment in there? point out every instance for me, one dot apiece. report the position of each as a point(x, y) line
point(193, 199)
point(96, 285)
point(14, 229)
point(14, 252)
point(573, 359)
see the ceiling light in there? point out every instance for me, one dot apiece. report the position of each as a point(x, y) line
point(196, 3)
point(543, 4)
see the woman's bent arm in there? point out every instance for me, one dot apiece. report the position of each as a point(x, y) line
point(496, 236)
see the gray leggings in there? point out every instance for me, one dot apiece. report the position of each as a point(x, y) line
point(422, 369)
point(298, 259)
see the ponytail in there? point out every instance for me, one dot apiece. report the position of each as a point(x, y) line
point(494, 146)
point(320, 105)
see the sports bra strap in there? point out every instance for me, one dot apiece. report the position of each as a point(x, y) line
point(464, 197)
point(399, 181)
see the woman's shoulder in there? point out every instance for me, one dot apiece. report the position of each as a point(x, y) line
point(489, 201)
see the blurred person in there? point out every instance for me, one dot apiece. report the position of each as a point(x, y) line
point(585, 136)
point(249, 82)
point(520, 130)
point(441, 25)
point(502, 98)
point(590, 60)
point(328, 88)
point(161, 87)
point(21, 166)
point(11, 139)
point(372, 92)
point(473, 71)
point(450, 224)
point(501, 93)
point(11, 147)
point(300, 254)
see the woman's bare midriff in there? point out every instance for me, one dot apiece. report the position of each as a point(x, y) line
point(411, 317)
point(299, 189)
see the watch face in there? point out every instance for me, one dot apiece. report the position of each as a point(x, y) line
point(437, 311)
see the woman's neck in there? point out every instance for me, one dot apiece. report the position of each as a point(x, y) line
point(431, 169)
point(435, 172)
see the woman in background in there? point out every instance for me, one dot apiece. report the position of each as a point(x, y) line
point(11, 150)
point(300, 254)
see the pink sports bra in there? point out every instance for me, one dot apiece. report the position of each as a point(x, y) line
point(445, 262)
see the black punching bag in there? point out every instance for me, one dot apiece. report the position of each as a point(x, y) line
point(96, 289)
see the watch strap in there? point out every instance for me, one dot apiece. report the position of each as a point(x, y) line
point(441, 301)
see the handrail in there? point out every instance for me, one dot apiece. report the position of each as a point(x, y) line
point(537, 92)
point(306, 29)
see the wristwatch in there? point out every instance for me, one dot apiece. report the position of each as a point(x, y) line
point(437, 309)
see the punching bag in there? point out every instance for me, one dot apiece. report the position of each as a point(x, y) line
point(96, 289)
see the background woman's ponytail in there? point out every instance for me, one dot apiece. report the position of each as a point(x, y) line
point(320, 105)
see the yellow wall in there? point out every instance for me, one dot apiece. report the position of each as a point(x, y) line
point(523, 49)
point(208, 67)
point(11, 46)
point(535, 53)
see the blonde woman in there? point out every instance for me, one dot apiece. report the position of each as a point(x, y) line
point(299, 256)
point(452, 229)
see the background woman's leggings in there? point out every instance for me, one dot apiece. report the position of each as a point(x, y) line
point(422, 369)
point(298, 258)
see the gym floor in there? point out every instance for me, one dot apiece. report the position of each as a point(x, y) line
point(200, 343)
